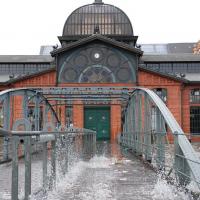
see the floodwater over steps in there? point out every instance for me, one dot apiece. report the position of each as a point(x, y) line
point(110, 175)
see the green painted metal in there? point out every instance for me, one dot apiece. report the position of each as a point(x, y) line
point(138, 124)
point(15, 168)
point(44, 166)
point(37, 112)
point(98, 119)
point(147, 129)
point(6, 124)
point(28, 152)
point(160, 139)
point(180, 164)
point(151, 118)
point(25, 105)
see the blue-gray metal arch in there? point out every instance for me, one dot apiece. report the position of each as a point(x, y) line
point(185, 146)
point(32, 91)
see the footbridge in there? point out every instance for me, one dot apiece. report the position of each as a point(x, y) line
point(42, 158)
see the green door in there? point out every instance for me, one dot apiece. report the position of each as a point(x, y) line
point(98, 119)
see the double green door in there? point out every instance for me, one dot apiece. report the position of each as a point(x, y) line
point(98, 119)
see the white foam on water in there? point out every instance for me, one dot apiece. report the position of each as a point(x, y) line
point(193, 187)
point(123, 179)
point(98, 191)
point(165, 191)
point(4, 196)
point(100, 162)
point(63, 182)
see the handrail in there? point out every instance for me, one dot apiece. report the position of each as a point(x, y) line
point(177, 131)
point(60, 143)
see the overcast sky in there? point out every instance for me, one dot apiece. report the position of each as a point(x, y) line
point(25, 25)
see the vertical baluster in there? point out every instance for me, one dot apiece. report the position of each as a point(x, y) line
point(147, 129)
point(27, 148)
point(15, 167)
point(37, 113)
point(160, 139)
point(6, 125)
point(139, 124)
point(180, 163)
point(44, 167)
point(53, 163)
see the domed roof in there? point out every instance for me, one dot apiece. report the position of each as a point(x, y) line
point(98, 18)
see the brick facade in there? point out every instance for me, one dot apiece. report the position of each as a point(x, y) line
point(115, 120)
point(178, 100)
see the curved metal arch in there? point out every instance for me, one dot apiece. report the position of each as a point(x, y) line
point(33, 92)
point(183, 142)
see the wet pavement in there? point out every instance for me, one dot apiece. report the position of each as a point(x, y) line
point(113, 173)
point(112, 176)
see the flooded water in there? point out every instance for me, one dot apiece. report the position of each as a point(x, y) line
point(112, 174)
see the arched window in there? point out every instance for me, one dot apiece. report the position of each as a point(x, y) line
point(162, 93)
point(195, 95)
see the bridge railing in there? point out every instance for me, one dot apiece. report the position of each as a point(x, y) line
point(19, 107)
point(57, 152)
point(149, 128)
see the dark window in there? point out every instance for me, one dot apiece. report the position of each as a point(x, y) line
point(4, 69)
point(195, 96)
point(31, 117)
point(175, 67)
point(193, 67)
point(195, 120)
point(179, 67)
point(69, 116)
point(162, 93)
point(166, 67)
point(153, 66)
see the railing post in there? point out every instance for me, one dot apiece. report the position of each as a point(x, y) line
point(25, 105)
point(44, 167)
point(66, 154)
point(180, 163)
point(28, 152)
point(134, 134)
point(138, 124)
point(6, 125)
point(45, 115)
point(52, 183)
point(37, 113)
point(147, 129)
point(160, 136)
point(94, 142)
point(15, 143)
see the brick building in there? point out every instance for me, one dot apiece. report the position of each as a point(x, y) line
point(99, 49)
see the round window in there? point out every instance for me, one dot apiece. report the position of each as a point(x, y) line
point(97, 55)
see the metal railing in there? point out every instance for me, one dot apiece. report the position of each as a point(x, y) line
point(148, 124)
point(55, 148)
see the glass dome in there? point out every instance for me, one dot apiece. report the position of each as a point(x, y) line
point(98, 18)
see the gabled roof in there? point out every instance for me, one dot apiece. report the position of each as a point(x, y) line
point(99, 38)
